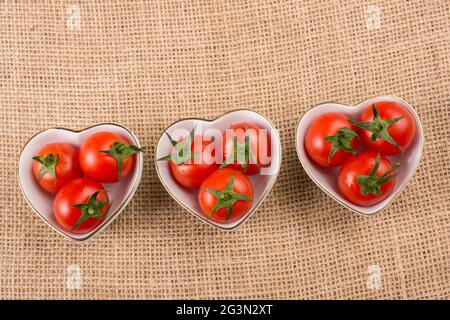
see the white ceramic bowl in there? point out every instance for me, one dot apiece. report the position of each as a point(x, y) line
point(326, 179)
point(42, 202)
point(187, 198)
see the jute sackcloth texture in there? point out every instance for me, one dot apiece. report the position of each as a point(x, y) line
point(145, 64)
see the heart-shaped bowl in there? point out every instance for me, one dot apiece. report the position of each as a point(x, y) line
point(326, 179)
point(187, 198)
point(41, 202)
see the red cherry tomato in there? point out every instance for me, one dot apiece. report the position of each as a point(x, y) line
point(192, 160)
point(246, 148)
point(366, 179)
point(330, 139)
point(107, 157)
point(386, 127)
point(81, 205)
point(55, 165)
point(226, 195)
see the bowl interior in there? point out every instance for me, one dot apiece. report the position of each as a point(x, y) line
point(42, 202)
point(327, 179)
point(262, 183)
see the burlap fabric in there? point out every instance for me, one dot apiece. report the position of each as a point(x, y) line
point(145, 64)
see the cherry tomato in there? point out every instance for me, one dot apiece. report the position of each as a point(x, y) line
point(386, 127)
point(367, 179)
point(81, 205)
point(107, 157)
point(226, 195)
point(55, 165)
point(246, 148)
point(330, 139)
point(192, 160)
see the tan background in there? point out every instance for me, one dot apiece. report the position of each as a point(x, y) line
point(146, 64)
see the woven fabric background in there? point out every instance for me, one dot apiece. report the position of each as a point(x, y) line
point(145, 64)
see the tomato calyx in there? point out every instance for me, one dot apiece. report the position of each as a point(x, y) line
point(182, 152)
point(371, 183)
point(226, 198)
point(378, 127)
point(48, 164)
point(91, 209)
point(341, 141)
point(242, 153)
point(121, 151)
